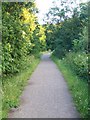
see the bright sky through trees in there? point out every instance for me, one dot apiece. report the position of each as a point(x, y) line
point(44, 5)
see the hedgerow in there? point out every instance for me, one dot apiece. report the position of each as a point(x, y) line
point(20, 36)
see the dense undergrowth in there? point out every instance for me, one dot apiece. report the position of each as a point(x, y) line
point(77, 86)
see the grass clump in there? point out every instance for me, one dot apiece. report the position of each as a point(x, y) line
point(77, 86)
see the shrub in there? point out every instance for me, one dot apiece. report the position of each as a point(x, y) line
point(79, 63)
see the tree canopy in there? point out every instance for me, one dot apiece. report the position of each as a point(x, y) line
point(67, 34)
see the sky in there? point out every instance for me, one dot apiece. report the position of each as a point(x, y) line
point(44, 5)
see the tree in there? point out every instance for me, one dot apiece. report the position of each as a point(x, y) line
point(18, 38)
point(63, 30)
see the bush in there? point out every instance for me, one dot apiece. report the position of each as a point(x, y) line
point(59, 52)
point(79, 63)
point(20, 35)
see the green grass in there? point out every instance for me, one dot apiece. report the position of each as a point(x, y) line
point(14, 85)
point(77, 87)
point(0, 100)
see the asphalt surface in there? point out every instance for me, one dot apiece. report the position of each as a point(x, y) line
point(46, 94)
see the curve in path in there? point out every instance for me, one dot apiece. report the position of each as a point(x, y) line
point(46, 95)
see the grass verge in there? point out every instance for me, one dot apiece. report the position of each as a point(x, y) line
point(14, 85)
point(77, 87)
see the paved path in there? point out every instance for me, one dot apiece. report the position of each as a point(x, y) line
point(46, 95)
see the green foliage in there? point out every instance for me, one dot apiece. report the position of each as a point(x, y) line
point(78, 63)
point(14, 85)
point(81, 44)
point(18, 35)
point(39, 39)
point(78, 59)
point(22, 42)
point(0, 38)
point(69, 37)
point(77, 86)
point(66, 30)
point(50, 37)
point(0, 58)
point(62, 36)
point(11, 38)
